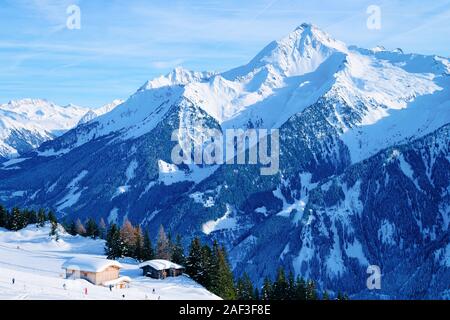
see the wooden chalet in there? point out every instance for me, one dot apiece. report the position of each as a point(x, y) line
point(95, 270)
point(161, 269)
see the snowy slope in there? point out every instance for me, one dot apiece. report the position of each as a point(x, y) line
point(25, 124)
point(34, 261)
point(94, 113)
point(406, 96)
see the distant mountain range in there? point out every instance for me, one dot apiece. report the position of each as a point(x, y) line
point(364, 165)
point(25, 124)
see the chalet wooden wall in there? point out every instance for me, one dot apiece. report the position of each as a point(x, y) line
point(97, 278)
point(109, 274)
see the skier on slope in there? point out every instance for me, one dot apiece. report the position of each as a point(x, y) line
point(13, 280)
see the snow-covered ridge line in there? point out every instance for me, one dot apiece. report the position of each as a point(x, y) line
point(26, 123)
point(94, 113)
point(282, 80)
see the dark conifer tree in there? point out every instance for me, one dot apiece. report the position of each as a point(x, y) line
point(32, 217)
point(311, 293)
point(209, 267)
point(341, 296)
point(280, 286)
point(41, 217)
point(92, 229)
point(256, 294)
point(54, 230)
point(244, 288)
point(148, 252)
point(51, 217)
point(266, 291)
point(194, 261)
point(178, 256)
point(292, 288)
point(3, 217)
point(224, 287)
point(16, 220)
point(114, 244)
point(300, 289)
point(71, 228)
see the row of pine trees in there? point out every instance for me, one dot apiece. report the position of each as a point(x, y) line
point(17, 219)
point(207, 265)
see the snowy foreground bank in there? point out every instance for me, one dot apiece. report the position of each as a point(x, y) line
point(34, 261)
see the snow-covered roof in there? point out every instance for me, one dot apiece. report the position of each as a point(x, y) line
point(116, 281)
point(90, 264)
point(160, 264)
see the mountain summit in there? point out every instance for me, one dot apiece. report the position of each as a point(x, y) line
point(300, 52)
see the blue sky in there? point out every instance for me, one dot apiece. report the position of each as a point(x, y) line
point(121, 44)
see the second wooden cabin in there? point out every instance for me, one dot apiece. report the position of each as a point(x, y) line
point(161, 269)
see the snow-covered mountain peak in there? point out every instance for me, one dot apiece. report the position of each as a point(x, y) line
point(26, 123)
point(300, 65)
point(94, 113)
point(379, 48)
point(305, 25)
point(287, 76)
point(307, 31)
point(108, 107)
point(21, 103)
point(235, 93)
point(308, 36)
point(40, 107)
point(298, 53)
point(178, 76)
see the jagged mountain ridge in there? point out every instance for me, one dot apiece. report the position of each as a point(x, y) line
point(94, 113)
point(26, 123)
point(292, 74)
